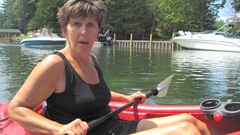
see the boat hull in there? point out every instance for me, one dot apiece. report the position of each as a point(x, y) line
point(43, 42)
point(142, 111)
point(206, 42)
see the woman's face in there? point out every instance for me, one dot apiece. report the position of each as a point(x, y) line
point(81, 34)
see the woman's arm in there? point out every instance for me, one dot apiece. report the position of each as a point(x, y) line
point(127, 98)
point(40, 84)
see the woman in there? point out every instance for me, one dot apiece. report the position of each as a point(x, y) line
point(72, 84)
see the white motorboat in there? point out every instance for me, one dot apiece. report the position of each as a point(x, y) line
point(44, 40)
point(219, 40)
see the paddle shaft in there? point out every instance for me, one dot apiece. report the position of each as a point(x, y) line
point(101, 119)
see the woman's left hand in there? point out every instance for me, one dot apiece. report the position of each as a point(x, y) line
point(136, 95)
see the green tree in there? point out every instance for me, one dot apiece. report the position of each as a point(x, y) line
point(219, 23)
point(17, 13)
point(10, 21)
point(186, 15)
point(159, 17)
point(130, 16)
point(1, 20)
point(236, 5)
point(24, 10)
point(46, 15)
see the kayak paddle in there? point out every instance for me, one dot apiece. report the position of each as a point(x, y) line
point(160, 91)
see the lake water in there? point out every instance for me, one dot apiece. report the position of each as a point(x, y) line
point(199, 75)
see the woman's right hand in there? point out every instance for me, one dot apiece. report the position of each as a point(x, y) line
point(76, 127)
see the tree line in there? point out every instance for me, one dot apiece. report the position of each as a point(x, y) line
point(139, 17)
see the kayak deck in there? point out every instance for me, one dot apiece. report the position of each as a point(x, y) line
point(143, 111)
point(140, 111)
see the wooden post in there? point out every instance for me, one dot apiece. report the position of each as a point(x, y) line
point(173, 41)
point(150, 41)
point(131, 42)
point(131, 48)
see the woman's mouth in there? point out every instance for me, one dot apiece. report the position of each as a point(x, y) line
point(82, 42)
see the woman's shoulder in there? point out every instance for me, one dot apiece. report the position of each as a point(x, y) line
point(51, 62)
point(53, 59)
point(94, 57)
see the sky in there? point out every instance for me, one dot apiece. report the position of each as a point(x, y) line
point(227, 11)
point(1, 1)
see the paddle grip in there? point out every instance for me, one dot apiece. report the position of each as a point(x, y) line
point(101, 119)
point(96, 122)
point(154, 91)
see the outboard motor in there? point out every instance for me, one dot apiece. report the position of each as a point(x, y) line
point(110, 41)
point(102, 38)
point(106, 40)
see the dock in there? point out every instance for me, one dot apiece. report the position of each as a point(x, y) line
point(146, 44)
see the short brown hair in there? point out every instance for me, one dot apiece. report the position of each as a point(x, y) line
point(81, 8)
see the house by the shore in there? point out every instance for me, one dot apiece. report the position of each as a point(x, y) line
point(7, 34)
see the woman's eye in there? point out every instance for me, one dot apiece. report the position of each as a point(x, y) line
point(76, 24)
point(91, 25)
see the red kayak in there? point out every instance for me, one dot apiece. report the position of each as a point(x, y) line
point(230, 124)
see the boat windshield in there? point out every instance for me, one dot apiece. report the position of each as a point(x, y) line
point(41, 35)
point(231, 30)
point(207, 31)
point(53, 35)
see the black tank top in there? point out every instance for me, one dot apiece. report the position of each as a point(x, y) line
point(84, 101)
point(79, 100)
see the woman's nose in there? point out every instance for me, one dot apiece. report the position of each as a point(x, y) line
point(84, 31)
